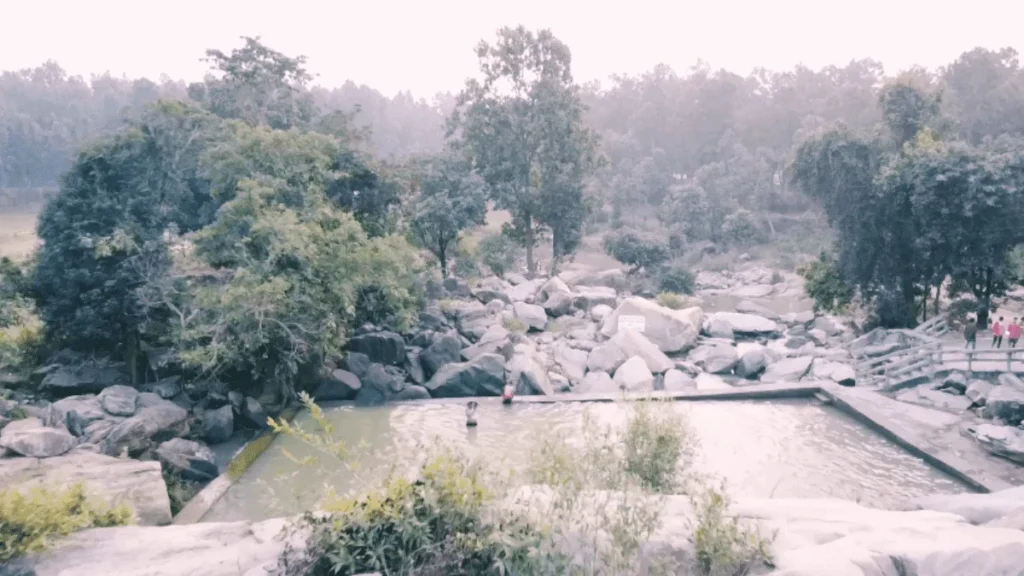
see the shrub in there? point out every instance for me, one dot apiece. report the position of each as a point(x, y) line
point(179, 490)
point(777, 277)
point(466, 267)
point(740, 228)
point(515, 325)
point(28, 522)
point(722, 545)
point(655, 445)
point(499, 253)
point(672, 300)
point(636, 249)
point(823, 283)
point(675, 277)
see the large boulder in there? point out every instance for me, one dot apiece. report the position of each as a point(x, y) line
point(119, 400)
point(1005, 441)
point(558, 304)
point(752, 363)
point(380, 385)
point(632, 343)
point(493, 341)
point(161, 420)
point(978, 391)
point(381, 347)
point(748, 307)
point(219, 424)
point(670, 330)
point(28, 437)
point(109, 480)
point(338, 385)
point(745, 324)
point(534, 316)
point(524, 291)
point(788, 369)
point(88, 377)
point(975, 508)
point(572, 361)
point(720, 359)
point(676, 380)
point(445, 350)
point(1005, 402)
point(528, 377)
point(190, 459)
point(844, 375)
point(481, 376)
point(597, 382)
point(606, 357)
point(552, 287)
point(634, 376)
point(587, 298)
point(79, 412)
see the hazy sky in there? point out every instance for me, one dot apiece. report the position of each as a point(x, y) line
point(426, 46)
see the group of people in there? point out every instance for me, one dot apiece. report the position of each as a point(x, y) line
point(1012, 332)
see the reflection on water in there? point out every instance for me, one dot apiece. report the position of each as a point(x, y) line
point(780, 448)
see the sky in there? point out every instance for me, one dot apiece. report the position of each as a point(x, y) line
point(426, 47)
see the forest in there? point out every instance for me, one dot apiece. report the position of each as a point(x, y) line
point(247, 224)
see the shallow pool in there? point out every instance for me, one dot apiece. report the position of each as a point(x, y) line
point(761, 449)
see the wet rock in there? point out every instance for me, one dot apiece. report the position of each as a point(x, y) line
point(670, 330)
point(751, 364)
point(444, 350)
point(955, 381)
point(412, 392)
point(109, 480)
point(28, 437)
point(534, 316)
point(528, 377)
point(1004, 441)
point(482, 376)
point(600, 312)
point(978, 391)
point(339, 385)
point(558, 304)
point(676, 380)
point(380, 385)
point(746, 324)
point(634, 376)
point(219, 424)
point(381, 347)
point(748, 307)
point(150, 424)
point(119, 400)
point(788, 369)
point(1005, 402)
point(190, 459)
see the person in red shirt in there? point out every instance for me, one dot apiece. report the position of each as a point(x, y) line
point(997, 333)
point(1013, 332)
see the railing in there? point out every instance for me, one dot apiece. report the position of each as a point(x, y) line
point(935, 327)
point(996, 359)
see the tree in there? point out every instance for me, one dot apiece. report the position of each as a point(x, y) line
point(523, 124)
point(451, 199)
point(637, 249)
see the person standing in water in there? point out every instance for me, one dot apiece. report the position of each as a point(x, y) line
point(997, 333)
point(1013, 332)
point(971, 334)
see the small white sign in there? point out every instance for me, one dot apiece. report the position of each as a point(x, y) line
point(637, 323)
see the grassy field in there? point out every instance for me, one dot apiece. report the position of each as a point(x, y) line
point(17, 232)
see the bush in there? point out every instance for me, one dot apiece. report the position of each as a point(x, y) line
point(636, 249)
point(499, 253)
point(825, 285)
point(655, 446)
point(28, 522)
point(672, 300)
point(514, 325)
point(466, 267)
point(677, 278)
point(777, 278)
point(723, 546)
point(740, 228)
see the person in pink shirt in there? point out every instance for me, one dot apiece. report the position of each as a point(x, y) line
point(1013, 332)
point(997, 333)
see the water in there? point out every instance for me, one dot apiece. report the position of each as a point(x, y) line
point(780, 448)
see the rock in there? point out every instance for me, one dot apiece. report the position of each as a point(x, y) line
point(411, 392)
point(844, 375)
point(150, 424)
point(746, 324)
point(380, 385)
point(28, 437)
point(978, 391)
point(412, 365)
point(572, 361)
point(935, 399)
point(254, 414)
point(1004, 441)
point(219, 424)
point(755, 291)
point(954, 381)
point(119, 400)
point(796, 342)
point(670, 330)
point(515, 278)
point(525, 291)
point(552, 287)
point(819, 337)
point(482, 376)
point(487, 295)
point(445, 350)
point(528, 377)
point(633, 343)
point(339, 385)
point(720, 359)
point(634, 376)
point(90, 377)
point(587, 299)
point(600, 312)
point(677, 380)
point(720, 328)
point(751, 364)
point(597, 382)
point(381, 347)
point(1005, 402)
point(788, 369)
point(534, 316)
point(456, 287)
point(558, 304)
point(559, 383)
point(613, 278)
point(79, 412)
point(108, 480)
point(1011, 380)
point(976, 508)
point(748, 307)
point(606, 357)
point(190, 459)
point(803, 318)
point(493, 341)
point(166, 388)
point(827, 325)
point(430, 320)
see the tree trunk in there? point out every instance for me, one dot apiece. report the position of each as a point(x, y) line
point(986, 300)
point(531, 266)
point(443, 258)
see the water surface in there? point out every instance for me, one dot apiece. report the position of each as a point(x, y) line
point(762, 449)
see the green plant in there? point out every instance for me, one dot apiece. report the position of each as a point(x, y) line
point(676, 277)
point(466, 267)
point(499, 253)
point(777, 277)
point(724, 547)
point(29, 521)
point(17, 413)
point(179, 490)
point(823, 283)
point(740, 228)
point(635, 248)
point(513, 324)
point(655, 446)
point(672, 300)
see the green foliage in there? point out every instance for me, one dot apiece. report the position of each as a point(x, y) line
point(740, 228)
point(676, 277)
point(724, 547)
point(635, 248)
point(655, 448)
point(777, 277)
point(823, 283)
point(515, 325)
point(672, 300)
point(29, 522)
point(499, 253)
point(451, 199)
point(179, 490)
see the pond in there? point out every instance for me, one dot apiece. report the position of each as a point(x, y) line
point(795, 448)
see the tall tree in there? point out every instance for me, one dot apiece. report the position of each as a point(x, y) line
point(523, 123)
